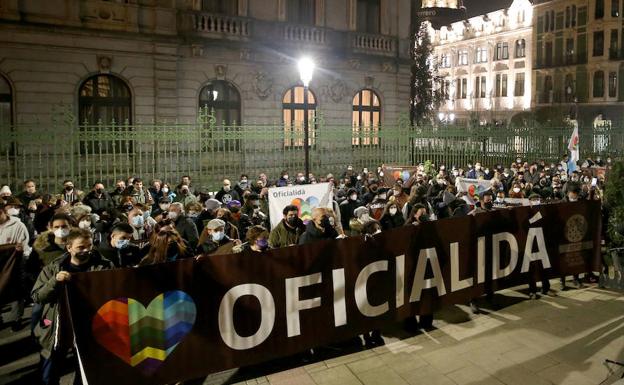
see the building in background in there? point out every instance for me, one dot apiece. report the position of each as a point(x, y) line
point(136, 62)
point(578, 59)
point(484, 62)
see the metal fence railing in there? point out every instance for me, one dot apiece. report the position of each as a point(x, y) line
point(60, 148)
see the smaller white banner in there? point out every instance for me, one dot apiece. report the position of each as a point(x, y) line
point(305, 197)
point(472, 186)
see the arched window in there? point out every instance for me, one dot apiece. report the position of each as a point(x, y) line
point(598, 84)
point(224, 99)
point(366, 118)
point(301, 11)
point(6, 102)
point(293, 111)
point(104, 98)
point(520, 48)
point(223, 7)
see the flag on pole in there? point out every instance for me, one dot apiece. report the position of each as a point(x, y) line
point(573, 147)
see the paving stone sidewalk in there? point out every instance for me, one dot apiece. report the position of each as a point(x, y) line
point(553, 340)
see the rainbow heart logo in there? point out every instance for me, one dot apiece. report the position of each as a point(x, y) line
point(305, 207)
point(403, 175)
point(144, 337)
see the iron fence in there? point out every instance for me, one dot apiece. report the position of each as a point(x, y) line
point(61, 148)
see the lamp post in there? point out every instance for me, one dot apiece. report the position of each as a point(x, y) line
point(306, 69)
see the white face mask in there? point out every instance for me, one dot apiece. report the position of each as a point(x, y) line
point(165, 190)
point(455, 172)
point(13, 212)
point(359, 177)
point(164, 206)
point(353, 197)
point(217, 236)
point(173, 215)
point(377, 232)
point(500, 200)
point(61, 233)
point(516, 190)
point(84, 225)
point(392, 211)
point(285, 177)
point(382, 196)
point(302, 178)
point(138, 221)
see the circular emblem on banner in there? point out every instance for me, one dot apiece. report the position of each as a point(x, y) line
point(576, 228)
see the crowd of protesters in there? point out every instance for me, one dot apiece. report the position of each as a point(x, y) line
point(136, 224)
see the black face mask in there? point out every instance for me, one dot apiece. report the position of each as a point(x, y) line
point(325, 223)
point(83, 256)
point(234, 209)
point(292, 221)
point(488, 205)
point(100, 191)
point(423, 218)
point(69, 188)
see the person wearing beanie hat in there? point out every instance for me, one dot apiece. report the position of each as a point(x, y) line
point(361, 216)
point(213, 239)
point(5, 192)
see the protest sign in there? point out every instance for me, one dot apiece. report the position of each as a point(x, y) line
point(305, 197)
point(392, 173)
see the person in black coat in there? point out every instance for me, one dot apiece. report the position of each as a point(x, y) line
point(118, 249)
point(318, 228)
point(392, 217)
point(98, 199)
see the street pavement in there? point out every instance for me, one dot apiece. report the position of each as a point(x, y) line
point(564, 339)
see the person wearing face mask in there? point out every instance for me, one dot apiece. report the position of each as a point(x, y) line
point(163, 207)
point(117, 193)
point(118, 249)
point(379, 202)
point(50, 245)
point(155, 190)
point(319, 228)
point(516, 191)
point(70, 194)
point(183, 225)
point(288, 231)
point(15, 209)
point(499, 202)
point(142, 228)
point(98, 199)
point(184, 196)
point(361, 216)
point(476, 172)
point(485, 204)
point(214, 241)
point(257, 240)
point(398, 195)
point(283, 179)
point(79, 257)
point(14, 232)
point(227, 194)
point(392, 217)
point(348, 207)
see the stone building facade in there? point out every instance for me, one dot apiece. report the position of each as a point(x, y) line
point(163, 53)
point(484, 63)
point(133, 62)
point(579, 61)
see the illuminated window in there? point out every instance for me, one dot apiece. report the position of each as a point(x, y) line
point(6, 102)
point(223, 100)
point(293, 111)
point(366, 118)
point(102, 100)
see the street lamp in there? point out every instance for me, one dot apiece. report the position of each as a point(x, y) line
point(306, 69)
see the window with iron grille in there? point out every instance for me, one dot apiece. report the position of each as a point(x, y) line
point(222, 100)
point(293, 112)
point(102, 100)
point(366, 118)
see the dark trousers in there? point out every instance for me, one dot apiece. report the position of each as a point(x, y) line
point(533, 285)
point(51, 368)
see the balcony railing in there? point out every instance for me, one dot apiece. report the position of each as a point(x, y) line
point(208, 23)
point(304, 34)
point(378, 43)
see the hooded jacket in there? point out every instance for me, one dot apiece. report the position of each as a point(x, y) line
point(46, 292)
point(14, 231)
point(313, 234)
point(46, 249)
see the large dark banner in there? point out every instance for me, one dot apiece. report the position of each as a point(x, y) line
point(10, 279)
point(169, 322)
